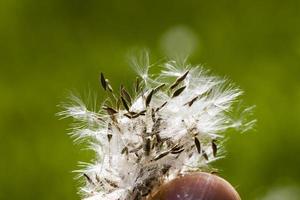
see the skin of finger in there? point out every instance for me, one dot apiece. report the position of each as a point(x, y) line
point(198, 186)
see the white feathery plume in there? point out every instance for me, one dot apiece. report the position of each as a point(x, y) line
point(172, 125)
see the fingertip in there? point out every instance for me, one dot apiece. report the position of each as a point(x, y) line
point(197, 186)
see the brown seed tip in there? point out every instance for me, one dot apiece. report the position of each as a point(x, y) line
point(197, 186)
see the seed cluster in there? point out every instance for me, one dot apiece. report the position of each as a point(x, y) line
point(169, 125)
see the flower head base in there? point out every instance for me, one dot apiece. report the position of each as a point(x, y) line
point(171, 125)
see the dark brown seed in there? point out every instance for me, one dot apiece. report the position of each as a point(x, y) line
point(204, 154)
point(198, 144)
point(100, 119)
point(179, 80)
point(177, 151)
point(88, 179)
point(124, 150)
point(147, 146)
point(135, 115)
point(190, 103)
point(109, 136)
point(110, 110)
point(142, 112)
point(132, 113)
point(149, 97)
point(183, 76)
point(215, 172)
point(174, 85)
point(214, 148)
point(125, 104)
point(161, 155)
point(153, 114)
point(160, 107)
point(111, 183)
point(139, 157)
point(195, 186)
point(103, 81)
point(125, 95)
point(178, 91)
point(159, 87)
point(109, 126)
point(128, 115)
point(176, 147)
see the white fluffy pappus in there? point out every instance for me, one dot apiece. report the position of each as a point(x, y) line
point(172, 124)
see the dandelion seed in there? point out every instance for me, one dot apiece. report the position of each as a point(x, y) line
point(159, 87)
point(198, 145)
point(159, 133)
point(125, 95)
point(103, 81)
point(204, 154)
point(110, 110)
point(179, 80)
point(88, 179)
point(190, 103)
point(125, 104)
point(147, 146)
point(178, 92)
point(214, 148)
point(124, 150)
point(159, 156)
point(149, 97)
point(109, 136)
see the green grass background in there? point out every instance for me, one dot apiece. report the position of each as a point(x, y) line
point(48, 47)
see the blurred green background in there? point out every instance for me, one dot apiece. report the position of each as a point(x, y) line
point(51, 46)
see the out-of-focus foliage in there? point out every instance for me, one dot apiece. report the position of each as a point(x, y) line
point(49, 47)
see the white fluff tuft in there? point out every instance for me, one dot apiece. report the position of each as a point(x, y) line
point(172, 125)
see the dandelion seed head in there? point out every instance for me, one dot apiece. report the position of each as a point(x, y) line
point(173, 124)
